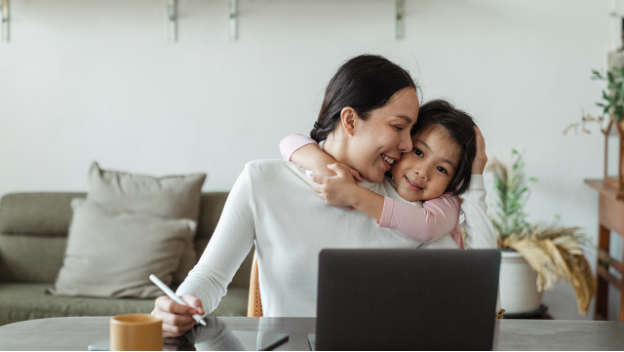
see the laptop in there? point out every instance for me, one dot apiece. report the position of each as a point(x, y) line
point(405, 299)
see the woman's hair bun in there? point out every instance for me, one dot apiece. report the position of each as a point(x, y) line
point(364, 83)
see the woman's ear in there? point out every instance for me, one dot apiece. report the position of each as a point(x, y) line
point(348, 118)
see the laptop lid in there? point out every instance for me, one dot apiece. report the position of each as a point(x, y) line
point(405, 299)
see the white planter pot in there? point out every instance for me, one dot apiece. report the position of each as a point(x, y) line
point(518, 285)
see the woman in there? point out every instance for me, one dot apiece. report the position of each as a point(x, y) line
point(369, 108)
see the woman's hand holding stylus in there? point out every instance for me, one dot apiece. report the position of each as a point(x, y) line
point(177, 318)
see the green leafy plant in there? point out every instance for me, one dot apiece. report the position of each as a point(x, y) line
point(612, 103)
point(512, 192)
point(613, 96)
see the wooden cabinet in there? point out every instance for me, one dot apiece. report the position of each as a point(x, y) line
point(610, 218)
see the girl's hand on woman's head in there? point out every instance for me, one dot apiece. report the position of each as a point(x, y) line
point(337, 190)
point(478, 165)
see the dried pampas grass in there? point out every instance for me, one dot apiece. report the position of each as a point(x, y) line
point(555, 253)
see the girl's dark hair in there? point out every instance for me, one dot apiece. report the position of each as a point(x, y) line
point(364, 83)
point(460, 127)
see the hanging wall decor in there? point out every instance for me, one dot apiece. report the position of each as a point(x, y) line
point(5, 20)
point(233, 20)
point(399, 21)
point(172, 21)
point(233, 14)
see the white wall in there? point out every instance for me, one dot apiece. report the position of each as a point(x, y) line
point(95, 80)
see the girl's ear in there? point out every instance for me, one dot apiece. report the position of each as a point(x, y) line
point(348, 117)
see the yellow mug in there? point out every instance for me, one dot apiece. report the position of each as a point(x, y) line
point(136, 332)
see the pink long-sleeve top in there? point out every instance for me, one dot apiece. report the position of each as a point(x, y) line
point(437, 217)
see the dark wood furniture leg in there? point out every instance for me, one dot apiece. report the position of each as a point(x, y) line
point(621, 270)
point(602, 285)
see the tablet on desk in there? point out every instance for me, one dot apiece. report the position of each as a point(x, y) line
point(215, 337)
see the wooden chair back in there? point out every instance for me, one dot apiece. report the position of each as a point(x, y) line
point(254, 307)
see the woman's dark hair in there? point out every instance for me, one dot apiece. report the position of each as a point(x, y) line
point(364, 83)
point(460, 127)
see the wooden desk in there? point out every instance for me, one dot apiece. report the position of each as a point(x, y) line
point(610, 218)
point(76, 333)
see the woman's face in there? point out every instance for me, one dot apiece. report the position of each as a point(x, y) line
point(380, 140)
point(426, 172)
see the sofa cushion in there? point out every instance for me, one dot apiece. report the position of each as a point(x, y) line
point(170, 197)
point(49, 213)
point(34, 234)
point(31, 258)
point(36, 214)
point(111, 253)
point(20, 302)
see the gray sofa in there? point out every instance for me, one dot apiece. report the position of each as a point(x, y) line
point(33, 237)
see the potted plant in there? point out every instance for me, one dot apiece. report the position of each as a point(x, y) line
point(612, 103)
point(613, 100)
point(611, 125)
point(534, 256)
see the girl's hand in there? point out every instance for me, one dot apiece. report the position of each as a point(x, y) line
point(312, 157)
point(478, 165)
point(339, 190)
point(356, 175)
point(328, 171)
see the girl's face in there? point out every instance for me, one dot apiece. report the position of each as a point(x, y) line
point(380, 140)
point(426, 172)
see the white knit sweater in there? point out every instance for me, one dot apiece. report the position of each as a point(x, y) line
point(272, 204)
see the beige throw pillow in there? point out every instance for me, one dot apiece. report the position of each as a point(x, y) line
point(170, 197)
point(112, 254)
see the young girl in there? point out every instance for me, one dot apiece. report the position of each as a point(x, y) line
point(436, 172)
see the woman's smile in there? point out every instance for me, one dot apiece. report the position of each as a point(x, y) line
point(387, 161)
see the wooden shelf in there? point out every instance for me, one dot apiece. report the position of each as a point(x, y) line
point(603, 188)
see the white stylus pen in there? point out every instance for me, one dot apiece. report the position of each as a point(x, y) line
point(174, 297)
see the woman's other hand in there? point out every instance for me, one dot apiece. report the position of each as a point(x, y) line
point(478, 165)
point(338, 190)
point(177, 318)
